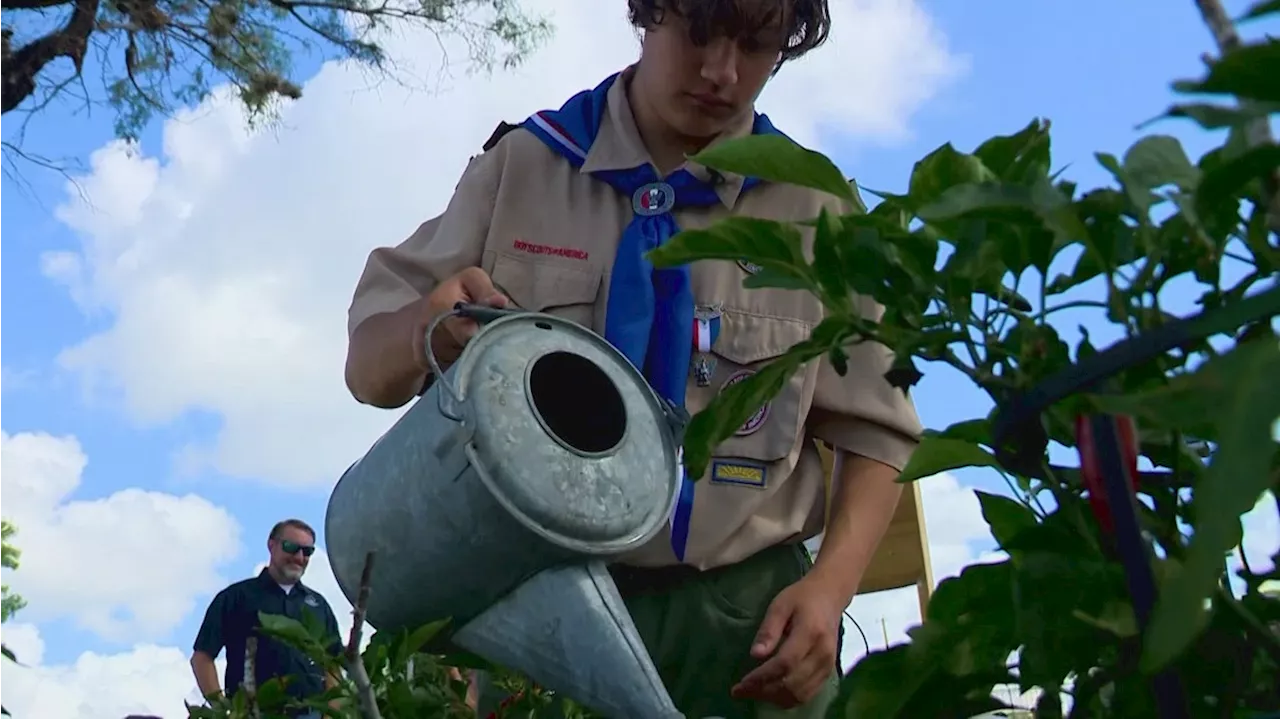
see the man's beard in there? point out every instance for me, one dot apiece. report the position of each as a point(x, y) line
point(292, 572)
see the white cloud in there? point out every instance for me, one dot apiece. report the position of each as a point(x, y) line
point(226, 264)
point(148, 679)
point(12, 378)
point(126, 566)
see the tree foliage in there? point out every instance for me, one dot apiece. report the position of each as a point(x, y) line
point(9, 556)
point(154, 56)
point(10, 602)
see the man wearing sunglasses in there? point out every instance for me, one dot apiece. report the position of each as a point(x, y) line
point(232, 618)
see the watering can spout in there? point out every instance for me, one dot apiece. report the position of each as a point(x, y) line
point(570, 632)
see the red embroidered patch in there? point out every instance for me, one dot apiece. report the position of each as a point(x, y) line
point(535, 249)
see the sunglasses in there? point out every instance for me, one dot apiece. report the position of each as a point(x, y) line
point(290, 547)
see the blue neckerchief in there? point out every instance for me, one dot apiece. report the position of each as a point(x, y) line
point(649, 313)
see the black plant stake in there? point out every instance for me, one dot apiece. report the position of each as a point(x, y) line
point(1108, 461)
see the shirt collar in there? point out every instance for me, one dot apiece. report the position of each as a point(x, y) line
point(618, 144)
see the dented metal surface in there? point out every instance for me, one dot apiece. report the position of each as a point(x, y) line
point(541, 447)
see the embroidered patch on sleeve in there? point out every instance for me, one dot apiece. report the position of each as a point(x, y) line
point(741, 472)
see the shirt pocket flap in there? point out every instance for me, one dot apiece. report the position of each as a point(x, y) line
point(539, 286)
point(746, 339)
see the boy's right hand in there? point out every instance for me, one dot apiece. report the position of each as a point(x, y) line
point(472, 286)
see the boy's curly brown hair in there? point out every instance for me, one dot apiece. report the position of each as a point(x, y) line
point(797, 26)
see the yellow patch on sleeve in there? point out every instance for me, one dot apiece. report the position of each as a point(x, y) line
point(740, 472)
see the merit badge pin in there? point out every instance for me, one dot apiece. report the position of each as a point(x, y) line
point(706, 330)
point(750, 268)
point(704, 368)
point(654, 198)
point(755, 421)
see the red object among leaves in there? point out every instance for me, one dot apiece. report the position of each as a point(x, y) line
point(1091, 472)
point(505, 703)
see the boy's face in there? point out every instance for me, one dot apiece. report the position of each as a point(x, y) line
point(701, 80)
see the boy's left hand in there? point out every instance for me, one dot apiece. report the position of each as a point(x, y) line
point(801, 632)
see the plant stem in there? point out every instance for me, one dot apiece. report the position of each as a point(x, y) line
point(251, 676)
point(1074, 304)
point(355, 663)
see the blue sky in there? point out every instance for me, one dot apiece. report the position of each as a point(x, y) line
point(1095, 69)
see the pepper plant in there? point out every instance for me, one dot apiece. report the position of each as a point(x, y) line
point(965, 264)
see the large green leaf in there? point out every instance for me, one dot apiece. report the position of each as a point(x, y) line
point(827, 265)
point(1249, 71)
point(954, 658)
point(1021, 157)
point(732, 407)
point(940, 454)
point(941, 170)
point(1225, 181)
point(1260, 9)
point(976, 431)
point(1159, 160)
point(880, 685)
point(286, 628)
point(1050, 589)
point(1236, 393)
point(778, 159)
point(415, 642)
point(1006, 517)
point(775, 246)
point(1215, 117)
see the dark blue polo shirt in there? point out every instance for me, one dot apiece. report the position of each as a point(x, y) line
point(232, 618)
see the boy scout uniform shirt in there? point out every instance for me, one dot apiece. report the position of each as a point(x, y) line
point(546, 233)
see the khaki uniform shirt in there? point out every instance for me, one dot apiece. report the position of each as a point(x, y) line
point(547, 232)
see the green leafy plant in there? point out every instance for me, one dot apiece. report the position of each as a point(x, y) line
point(965, 264)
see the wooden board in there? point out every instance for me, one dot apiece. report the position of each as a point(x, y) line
point(902, 560)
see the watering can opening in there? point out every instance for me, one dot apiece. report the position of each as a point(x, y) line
point(577, 403)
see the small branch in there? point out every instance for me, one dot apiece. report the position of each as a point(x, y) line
point(22, 67)
point(355, 663)
point(250, 683)
point(34, 4)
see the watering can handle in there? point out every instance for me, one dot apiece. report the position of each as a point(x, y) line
point(450, 401)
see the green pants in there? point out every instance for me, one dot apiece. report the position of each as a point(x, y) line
point(698, 628)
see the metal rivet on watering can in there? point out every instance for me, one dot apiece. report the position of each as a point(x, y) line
point(497, 497)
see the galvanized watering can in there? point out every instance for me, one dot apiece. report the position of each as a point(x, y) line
point(498, 497)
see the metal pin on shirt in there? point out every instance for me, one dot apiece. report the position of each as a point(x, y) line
point(706, 330)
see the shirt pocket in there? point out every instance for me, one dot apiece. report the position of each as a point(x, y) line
point(746, 342)
point(555, 289)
